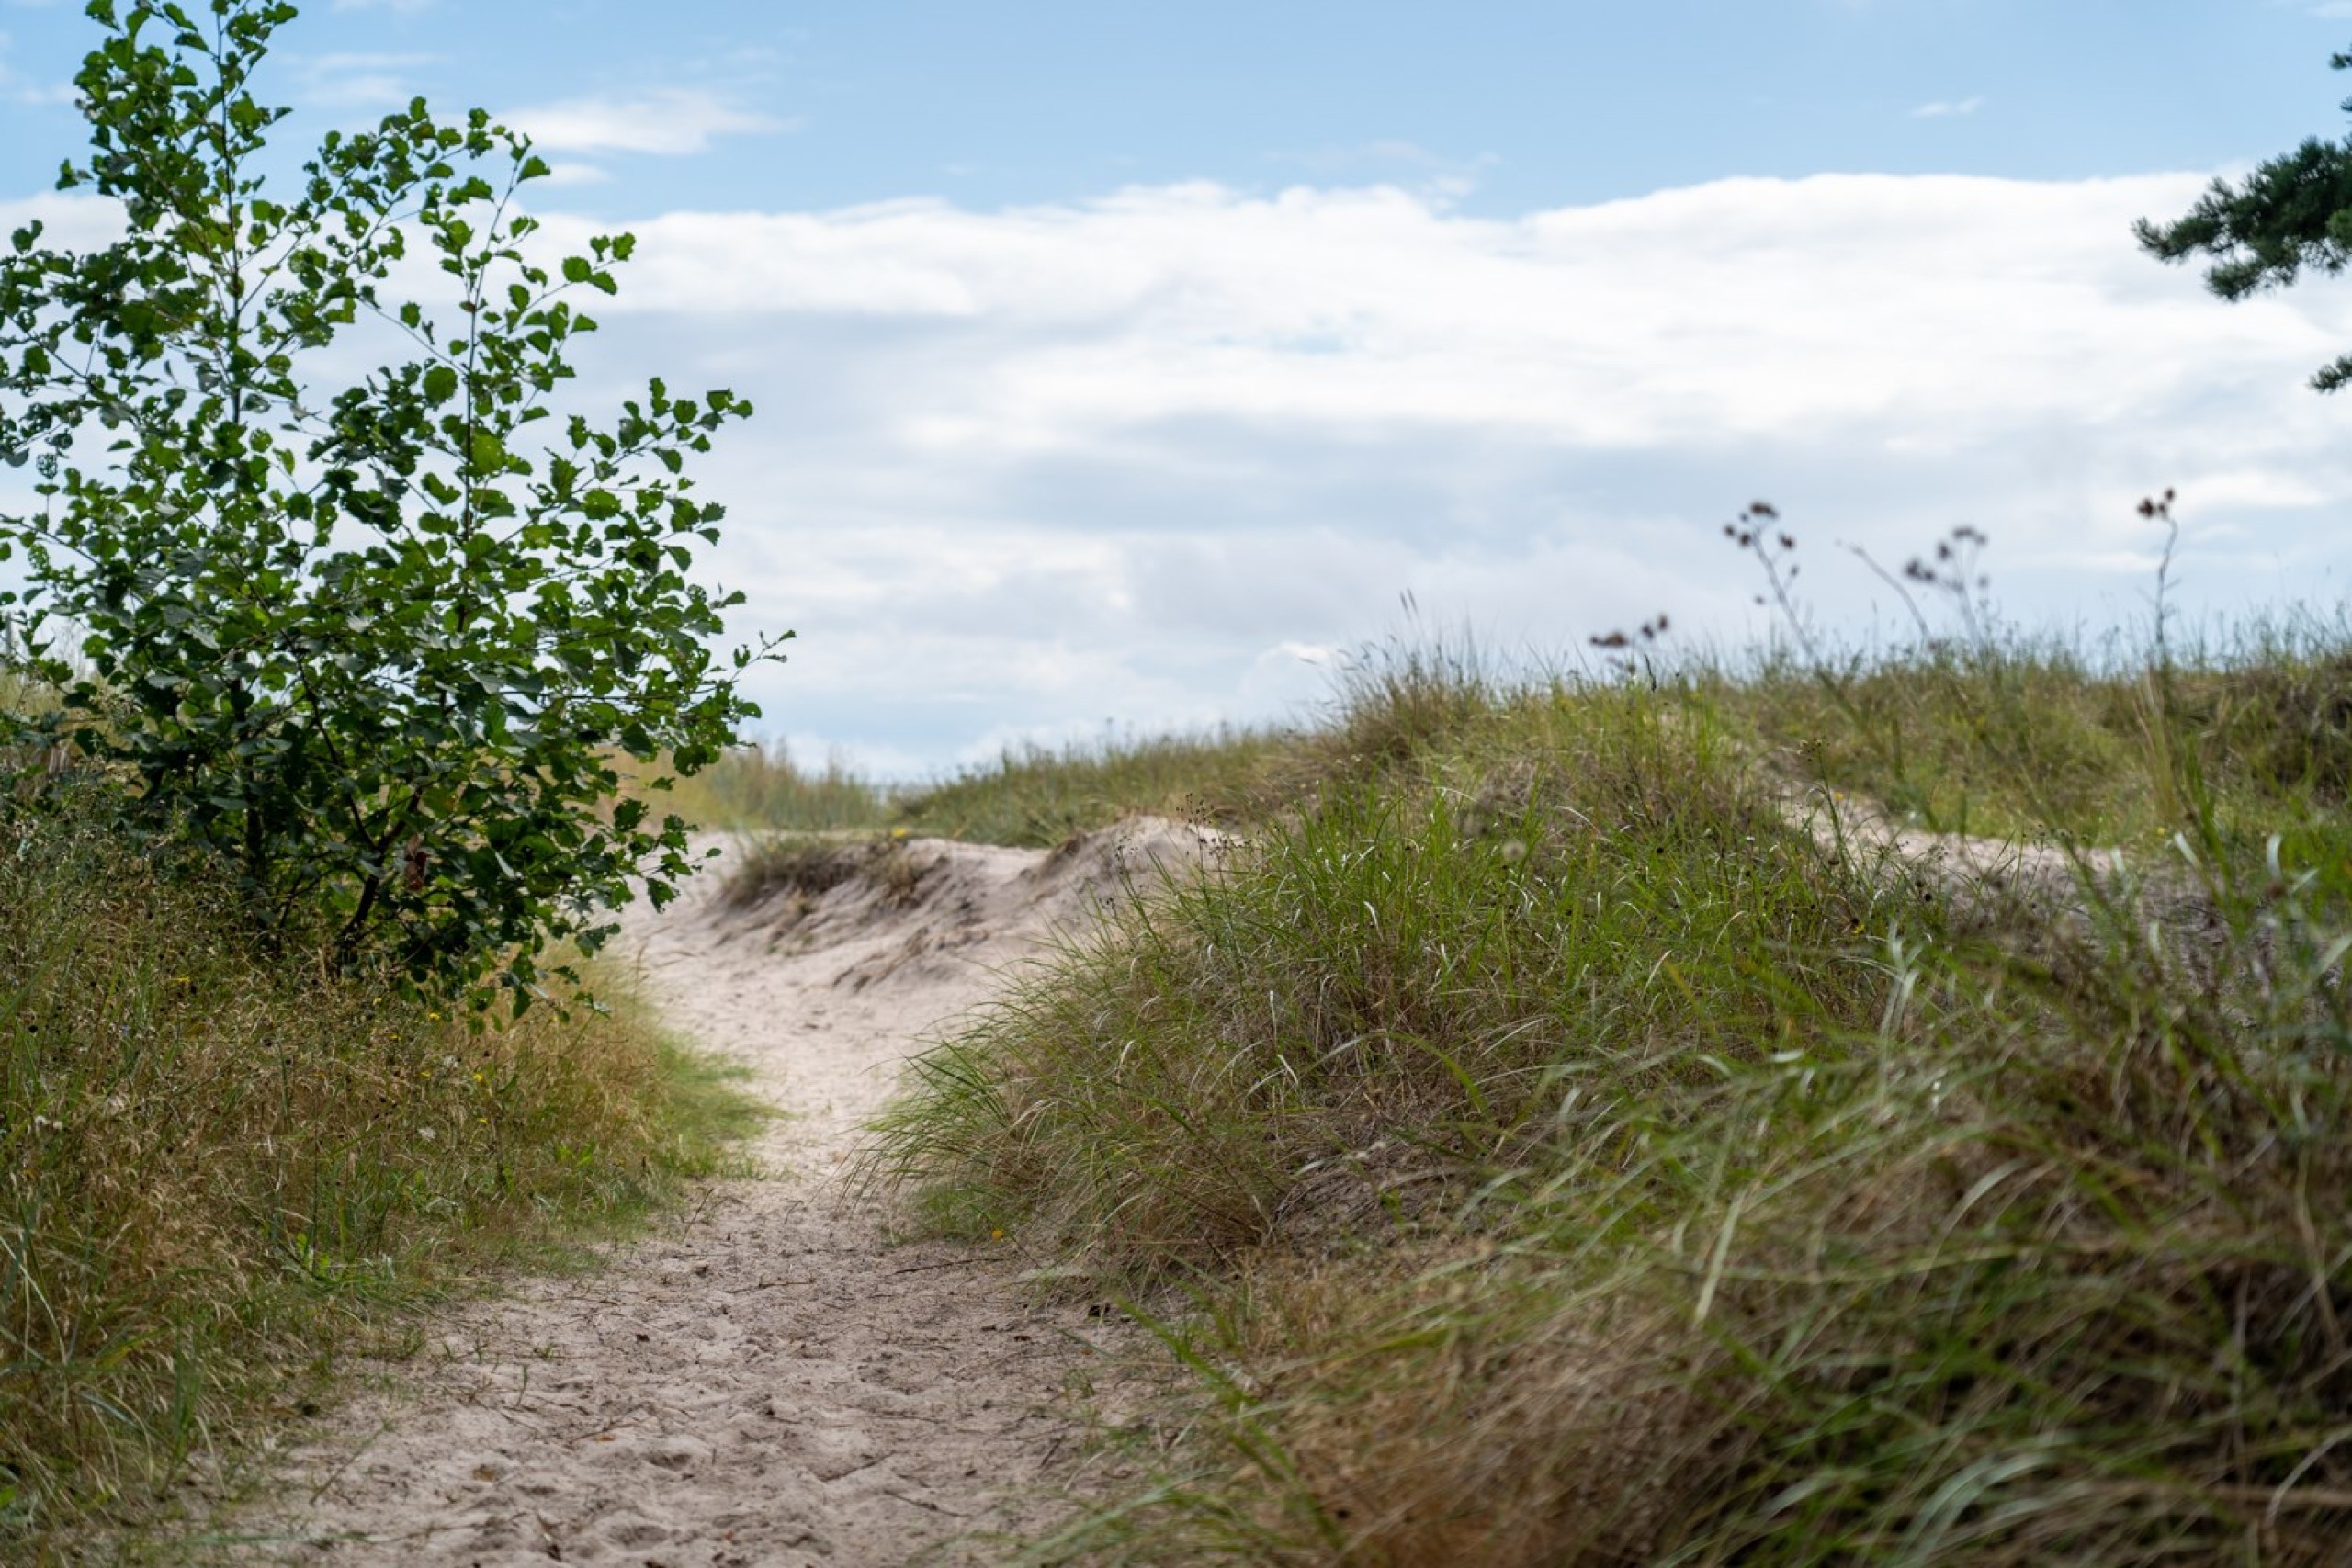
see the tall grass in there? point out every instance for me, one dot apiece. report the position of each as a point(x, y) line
point(1568, 1157)
point(2036, 737)
point(1032, 795)
point(1040, 796)
point(756, 787)
point(1404, 982)
point(218, 1168)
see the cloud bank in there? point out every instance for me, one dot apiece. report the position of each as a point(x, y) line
point(1018, 473)
point(1141, 460)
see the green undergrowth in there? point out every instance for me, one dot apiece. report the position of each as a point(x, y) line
point(224, 1174)
point(1540, 1144)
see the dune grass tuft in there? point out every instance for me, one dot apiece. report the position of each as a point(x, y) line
point(220, 1171)
point(1396, 982)
point(1033, 796)
point(1038, 797)
point(1541, 1145)
point(761, 788)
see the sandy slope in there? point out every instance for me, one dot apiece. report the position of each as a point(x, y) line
point(770, 1381)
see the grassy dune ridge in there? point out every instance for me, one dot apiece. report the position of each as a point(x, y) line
point(1542, 1146)
point(222, 1173)
point(1034, 797)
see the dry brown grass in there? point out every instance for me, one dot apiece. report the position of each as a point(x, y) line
point(218, 1168)
point(1426, 1411)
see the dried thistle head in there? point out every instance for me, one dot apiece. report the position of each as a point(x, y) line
point(1648, 631)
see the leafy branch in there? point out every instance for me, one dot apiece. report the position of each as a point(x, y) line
point(371, 644)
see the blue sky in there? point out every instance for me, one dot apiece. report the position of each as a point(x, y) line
point(1530, 105)
point(1122, 364)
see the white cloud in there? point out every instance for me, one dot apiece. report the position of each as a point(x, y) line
point(359, 80)
point(1042, 467)
point(1748, 309)
point(69, 222)
point(674, 120)
point(1957, 109)
point(568, 174)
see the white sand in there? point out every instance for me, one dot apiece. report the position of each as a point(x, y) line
point(769, 1380)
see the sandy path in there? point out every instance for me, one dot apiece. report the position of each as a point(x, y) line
point(769, 1380)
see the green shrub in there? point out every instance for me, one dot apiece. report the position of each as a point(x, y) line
point(364, 640)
